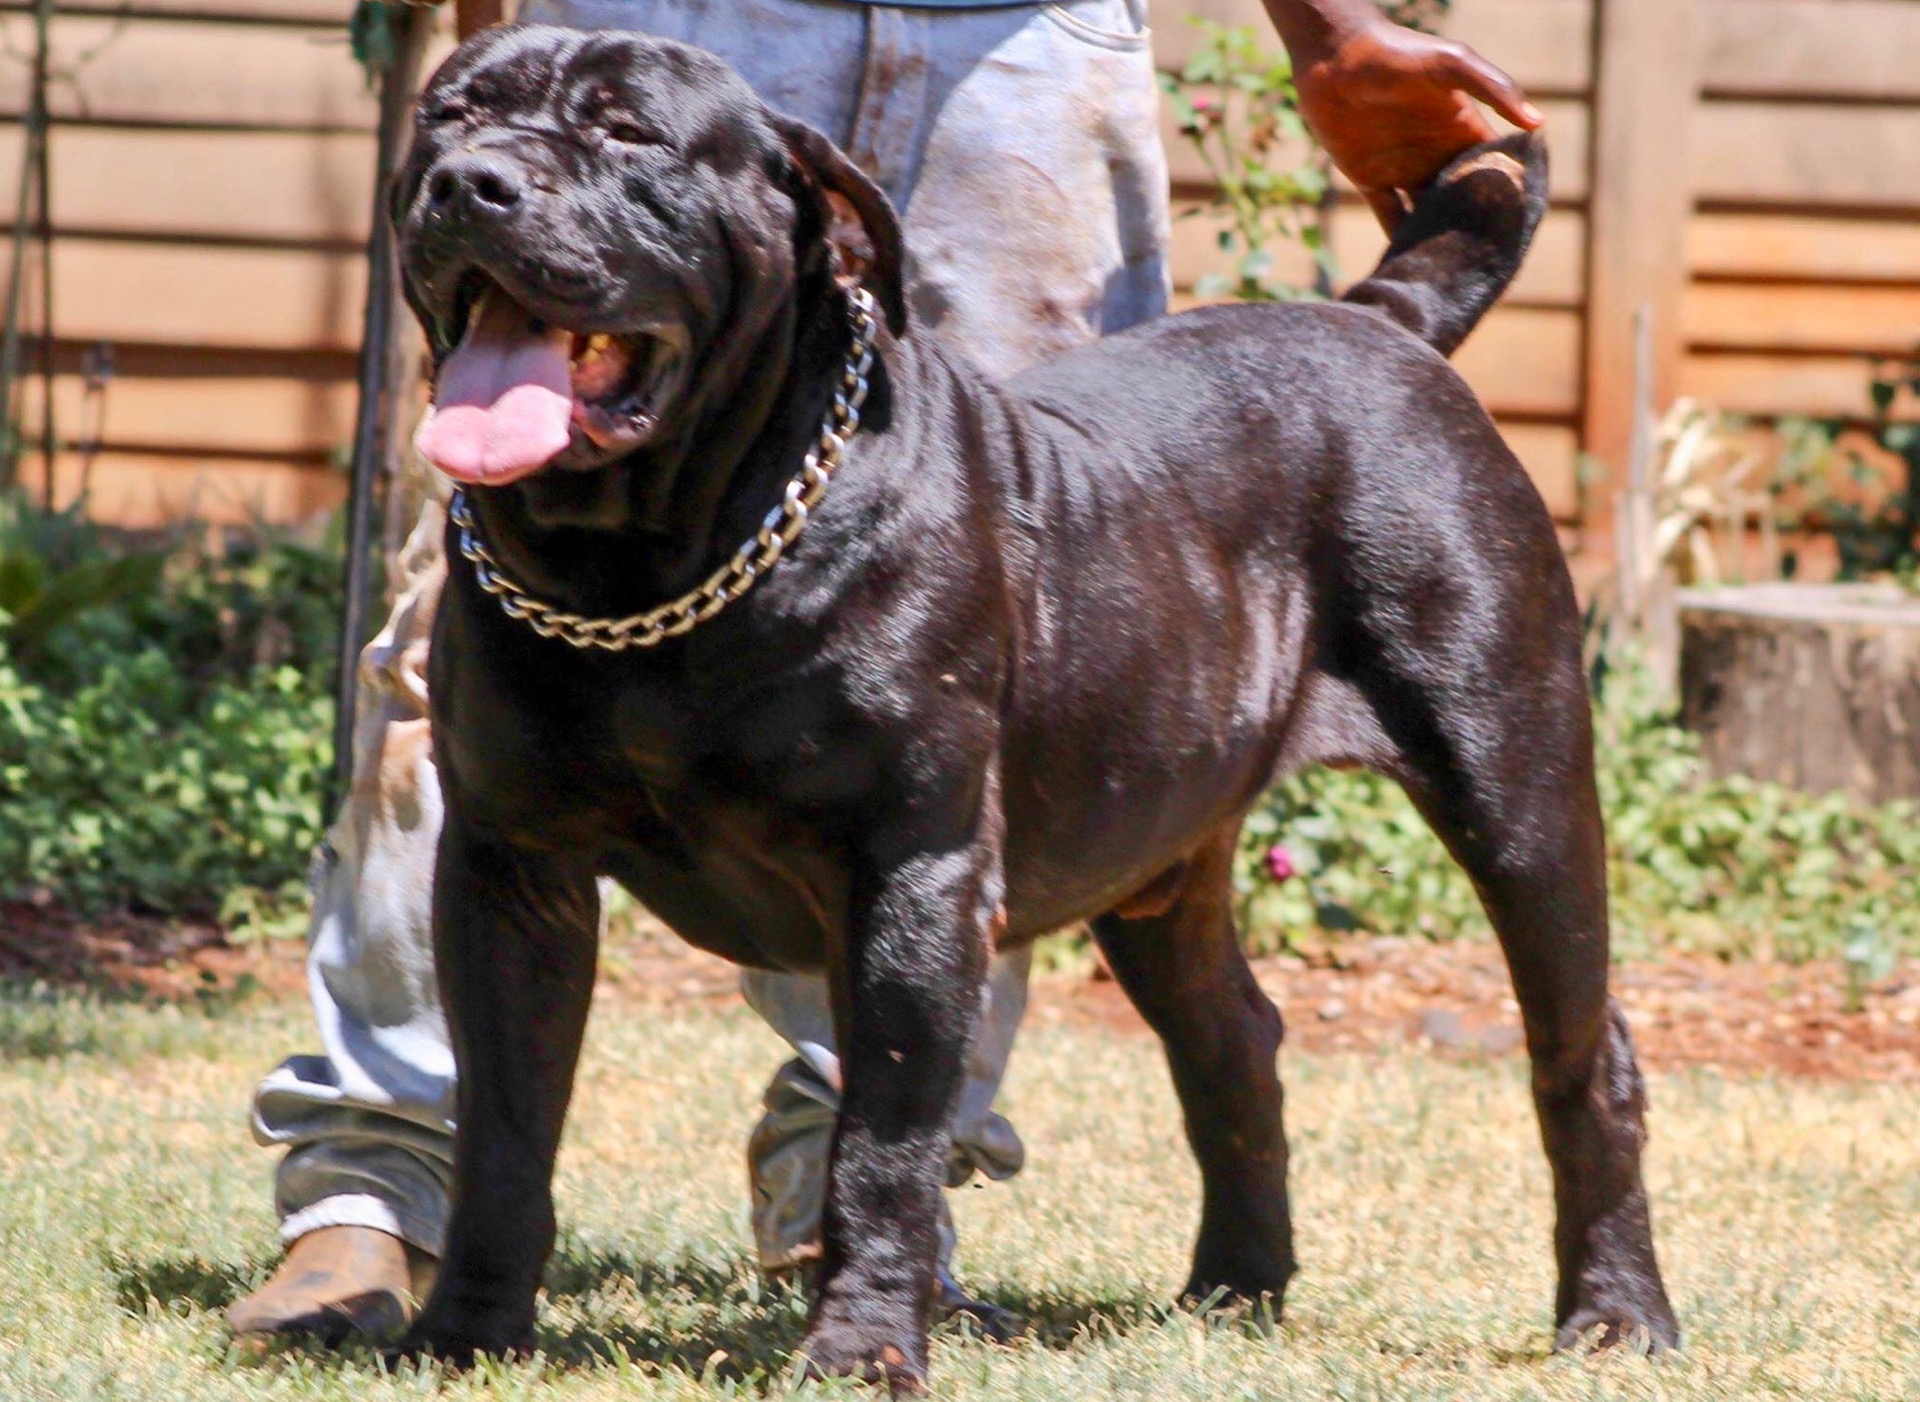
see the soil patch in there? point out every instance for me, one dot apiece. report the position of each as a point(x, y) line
point(140, 955)
point(1453, 999)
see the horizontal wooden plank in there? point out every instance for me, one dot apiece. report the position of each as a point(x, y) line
point(1883, 320)
point(261, 417)
point(1777, 384)
point(193, 72)
point(1805, 248)
point(146, 490)
point(1545, 44)
point(1856, 49)
point(232, 185)
point(1525, 361)
point(1554, 274)
point(1551, 455)
point(241, 297)
point(334, 12)
point(182, 360)
point(1808, 156)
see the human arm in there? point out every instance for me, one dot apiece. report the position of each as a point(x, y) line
point(1390, 105)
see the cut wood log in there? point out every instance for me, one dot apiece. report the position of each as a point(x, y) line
point(1816, 686)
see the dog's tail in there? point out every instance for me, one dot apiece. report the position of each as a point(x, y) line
point(1462, 243)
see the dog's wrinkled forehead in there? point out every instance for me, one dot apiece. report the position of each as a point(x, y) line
point(651, 90)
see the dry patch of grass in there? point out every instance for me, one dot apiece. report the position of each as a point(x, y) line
point(133, 1208)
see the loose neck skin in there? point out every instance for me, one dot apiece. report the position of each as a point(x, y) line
point(636, 533)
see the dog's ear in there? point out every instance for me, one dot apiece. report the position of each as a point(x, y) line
point(862, 231)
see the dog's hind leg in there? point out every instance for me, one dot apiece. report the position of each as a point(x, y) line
point(1184, 970)
point(1533, 846)
point(1482, 702)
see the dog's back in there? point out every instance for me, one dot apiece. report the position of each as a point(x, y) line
point(1282, 436)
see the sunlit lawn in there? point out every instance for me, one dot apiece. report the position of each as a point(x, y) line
point(133, 1206)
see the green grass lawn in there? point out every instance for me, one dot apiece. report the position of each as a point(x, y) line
point(133, 1206)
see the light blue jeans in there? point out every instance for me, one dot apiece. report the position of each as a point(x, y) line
point(1022, 146)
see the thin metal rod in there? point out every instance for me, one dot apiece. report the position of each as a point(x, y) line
point(376, 386)
point(10, 341)
point(43, 225)
point(32, 167)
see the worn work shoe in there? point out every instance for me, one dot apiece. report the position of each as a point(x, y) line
point(990, 1322)
point(336, 1282)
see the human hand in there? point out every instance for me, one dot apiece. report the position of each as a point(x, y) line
point(1391, 106)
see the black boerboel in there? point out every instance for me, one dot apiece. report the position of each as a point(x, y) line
point(1027, 660)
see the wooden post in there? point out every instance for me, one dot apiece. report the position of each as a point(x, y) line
point(1646, 84)
point(1633, 507)
point(380, 371)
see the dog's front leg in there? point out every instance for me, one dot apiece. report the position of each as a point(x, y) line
point(515, 939)
point(908, 984)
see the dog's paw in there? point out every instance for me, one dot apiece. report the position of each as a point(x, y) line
point(874, 1354)
point(1251, 1282)
point(1647, 1331)
point(459, 1337)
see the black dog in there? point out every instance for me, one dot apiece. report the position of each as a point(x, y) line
point(1030, 660)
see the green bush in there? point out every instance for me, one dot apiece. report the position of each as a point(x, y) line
point(1727, 866)
point(165, 740)
point(1867, 501)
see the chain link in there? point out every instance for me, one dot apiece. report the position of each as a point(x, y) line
point(753, 559)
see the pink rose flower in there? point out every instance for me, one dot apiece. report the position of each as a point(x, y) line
point(1280, 863)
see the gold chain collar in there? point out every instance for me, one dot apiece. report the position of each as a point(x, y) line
point(752, 560)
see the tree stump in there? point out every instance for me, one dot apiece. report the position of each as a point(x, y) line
point(1812, 685)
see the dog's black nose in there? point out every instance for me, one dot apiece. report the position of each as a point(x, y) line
point(484, 181)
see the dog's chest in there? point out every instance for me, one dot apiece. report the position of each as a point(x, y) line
point(664, 757)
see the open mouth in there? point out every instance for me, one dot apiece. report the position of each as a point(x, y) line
point(519, 394)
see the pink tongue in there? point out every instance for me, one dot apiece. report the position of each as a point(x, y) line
point(503, 402)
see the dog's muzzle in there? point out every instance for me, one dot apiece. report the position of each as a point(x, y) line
point(756, 557)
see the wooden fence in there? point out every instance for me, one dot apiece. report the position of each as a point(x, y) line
point(212, 179)
point(1749, 169)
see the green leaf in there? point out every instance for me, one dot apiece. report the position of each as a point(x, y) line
point(90, 585)
point(23, 575)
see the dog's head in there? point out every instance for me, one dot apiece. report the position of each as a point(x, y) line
point(612, 242)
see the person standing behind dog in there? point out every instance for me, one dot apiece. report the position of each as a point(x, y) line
point(1021, 144)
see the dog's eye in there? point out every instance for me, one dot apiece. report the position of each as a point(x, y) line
point(627, 132)
point(448, 109)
